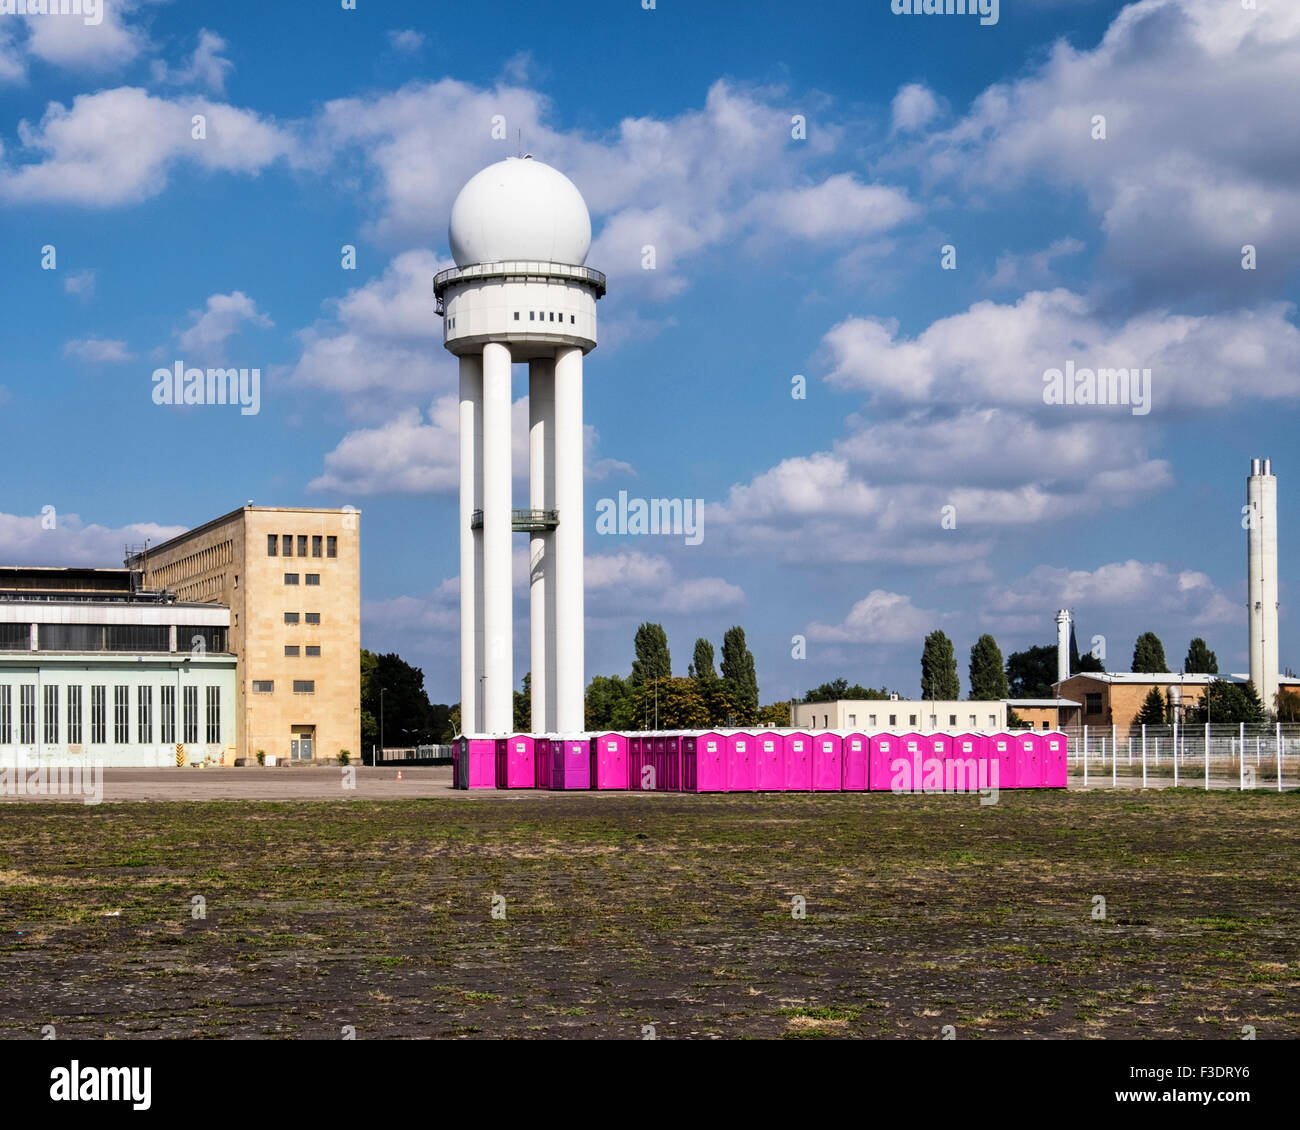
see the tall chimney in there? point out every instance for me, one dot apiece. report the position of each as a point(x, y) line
point(1261, 570)
point(1062, 645)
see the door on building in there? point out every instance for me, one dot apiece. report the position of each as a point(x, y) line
point(302, 743)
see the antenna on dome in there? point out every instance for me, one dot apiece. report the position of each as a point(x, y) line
point(519, 151)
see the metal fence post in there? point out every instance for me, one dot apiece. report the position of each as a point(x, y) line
point(1144, 764)
point(1085, 755)
point(1207, 755)
point(1279, 756)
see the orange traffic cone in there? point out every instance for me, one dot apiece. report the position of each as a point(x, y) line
point(399, 774)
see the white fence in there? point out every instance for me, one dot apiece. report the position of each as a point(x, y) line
point(1209, 756)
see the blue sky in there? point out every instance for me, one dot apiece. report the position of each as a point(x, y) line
point(776, 256)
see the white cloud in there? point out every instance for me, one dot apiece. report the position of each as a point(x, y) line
point(631, 583)
point(25, 540)
point(97, 351)
point(81, 283)
point(407, 41)
point(406, 455)
point(881, 618)
point(914, 107)
point(118, 147)
point(69, 41)
point(223, 317)
point(12, 67)
point(207, 67)
point(1023, 272)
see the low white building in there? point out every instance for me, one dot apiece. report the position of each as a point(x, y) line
point(870, 715)
point(94, 672)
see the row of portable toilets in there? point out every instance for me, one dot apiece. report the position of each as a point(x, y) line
point(768, 760)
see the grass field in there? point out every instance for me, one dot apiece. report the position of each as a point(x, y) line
point(671, 911)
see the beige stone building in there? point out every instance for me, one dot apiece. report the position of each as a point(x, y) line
point(1115, 698)
point(872, 715)
point(292, 581)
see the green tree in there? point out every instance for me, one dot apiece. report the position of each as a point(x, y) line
point(1287, 705)
point(679, 705)
point(1200, 659)
point(778, 714)
point(720, 702)
point(652, 660)
point(1085, 662)
point(524, 706)
point(1149, 655)
point(739, 674)
point(393, 700)
point(939, 678)
point(839, 689)
point(1228, 702)
point(1153, 709)
point(702, 661)
point(609, 703)
point(988, 677)
point(1031, 673)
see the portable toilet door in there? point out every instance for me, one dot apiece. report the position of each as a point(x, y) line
point(609, 753)
point(688, 760)
point(457, 761)
point(672, 763)
point(881, 754)
point(1055, 750)
point(769, 762)
point(934, 762)
point(741, 764)
point(854, 762)
point(577, 763)
point(913, 748)
point(521, 773)
point(482, 758)
point(542, 763)
point(500, 764)
point(967, 765)
point(797, 769)
point(1029, 761)
point(1002, 749)
point(711, 763)
point(827, 762)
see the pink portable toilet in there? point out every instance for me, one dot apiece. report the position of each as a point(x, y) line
point(827, 762)
point(797, 766)
point(967, 766)
point(542, 762)
point(914, 748)
point(456, 782)
point(688, 762)
point(934, 762)
point(742, 752)
point(1029, 760)
point(710, 762)
point(1002, 749)
point(769, 762)
point(479, 762)
point(671, 762)
point(515, 768)
point(883, 750)
point(609, 761)
point(854, 758)
point(570, 763)
point(1055, 755)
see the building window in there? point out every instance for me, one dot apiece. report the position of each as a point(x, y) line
point(191, 714)
point(6, 715)
point(1044, 724)
point(291, 650)
point(302, 545)
point(516, 315)
point(98, 715)
point(291, 617)
point(313, 651)
point(552, 318)
point(313, 578)
point(532, 315)
point(121, 715)
point(304, 686)
point(263, 686)
point(213, 695)
point(853, 719)
point(331, 546)
point(201, 638)
point(572, 319)
point(972, 721)
point(291, 578)
point(51, 715)
point(316, 539)
point(74, 716)
point(952, 719)
point(144, 715)
point(27, 714)
point(1093, 703)
point(167, 709)
point(893, 719)
point(272, 545)
point(286, 546)
point(993, 721)
point(871, 721)
point(911, 719)
point(313, 617)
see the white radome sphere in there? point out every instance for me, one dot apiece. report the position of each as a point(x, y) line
point(519, 209)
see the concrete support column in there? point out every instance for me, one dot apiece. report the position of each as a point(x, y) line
point(570, 669)
point(471, 541)
point(497, 597)
point(541, 582)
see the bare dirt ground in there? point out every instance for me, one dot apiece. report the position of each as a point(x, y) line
point(627, 911)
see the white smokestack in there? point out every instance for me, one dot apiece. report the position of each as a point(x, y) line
point(1062, 645)
point(1261, 567)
